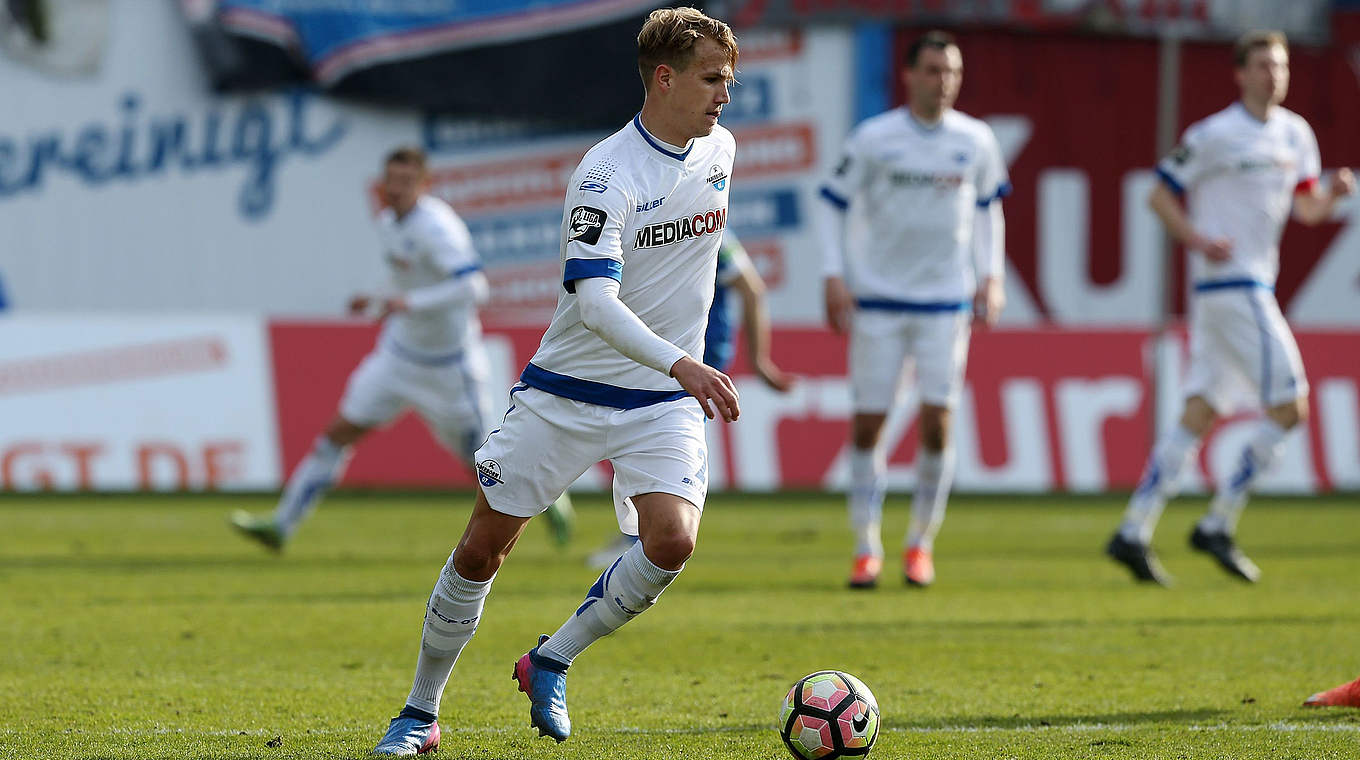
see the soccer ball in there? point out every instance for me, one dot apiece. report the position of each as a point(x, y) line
point(829, 715)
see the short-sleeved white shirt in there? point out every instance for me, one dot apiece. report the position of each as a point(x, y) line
point(426, 247)
point(652, 218)
point(1240, 175)
point(912, 192)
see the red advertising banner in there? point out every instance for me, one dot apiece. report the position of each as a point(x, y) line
point(1043, 410)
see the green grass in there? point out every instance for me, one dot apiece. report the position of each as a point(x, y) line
point(140, 628)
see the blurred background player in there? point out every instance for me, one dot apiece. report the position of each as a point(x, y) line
point(735, 273)
point(921, 186)
point(1243, 169)
point(615, 377)
point(429, 355)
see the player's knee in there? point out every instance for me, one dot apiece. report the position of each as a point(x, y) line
point(476, 562)
point(1199, 416)
point(865, 429)
point(934, 425)
point(1290, 414)
point(342, 432)
point(669, 550)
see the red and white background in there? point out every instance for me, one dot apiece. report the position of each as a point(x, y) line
point(156, 392)
point(230, 403)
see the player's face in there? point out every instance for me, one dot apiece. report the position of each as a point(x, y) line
point(402, 185)
point(933, 83)
point(1264, 78)
point(698, 94)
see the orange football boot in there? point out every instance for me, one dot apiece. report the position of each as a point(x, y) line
point(918, 567)
point(865, 572)
point(1345, 695)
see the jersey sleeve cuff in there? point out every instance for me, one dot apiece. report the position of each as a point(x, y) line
point(1003, 190)
point(834, 198)
point(1306, 186)
point(580, 269)
point(1170, 181)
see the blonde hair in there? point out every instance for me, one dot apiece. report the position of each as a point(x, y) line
point(1254, 41)
point(669, 35)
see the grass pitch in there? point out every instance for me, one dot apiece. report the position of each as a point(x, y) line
point(141, 628)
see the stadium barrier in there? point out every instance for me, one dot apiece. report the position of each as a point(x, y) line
point(232, 402)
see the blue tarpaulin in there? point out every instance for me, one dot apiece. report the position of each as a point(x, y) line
point(475, 57)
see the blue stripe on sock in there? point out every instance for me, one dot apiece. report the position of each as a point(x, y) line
point(1151, 478)
point(596, 592)
point(1245, 470)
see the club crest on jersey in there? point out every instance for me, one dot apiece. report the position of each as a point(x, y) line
point(586, 224)
point(717, 177)
point(680, 230)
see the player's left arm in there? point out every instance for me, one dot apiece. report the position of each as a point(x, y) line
point(1314, 204)
point(449, 246)
point(989, 234)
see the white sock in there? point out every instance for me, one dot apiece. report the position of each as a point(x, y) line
point(868, 481)
point(1160, 481)
point(1230, 496)
point(934, 476)
point(621, 593)
point(314, 475)
point(451, 618)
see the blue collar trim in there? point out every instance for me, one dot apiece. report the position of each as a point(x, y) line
point(652, 141)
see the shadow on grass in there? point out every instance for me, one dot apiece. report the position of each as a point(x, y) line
point(1019, 721)
point(1032, 624)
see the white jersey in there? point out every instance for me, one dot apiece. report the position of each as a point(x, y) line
point(651, 217)
point(427, 247)
point(1241, 175)
point(912, 193)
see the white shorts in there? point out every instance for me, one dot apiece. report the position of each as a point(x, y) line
point(546, 442)
point(1242, 352)
point(884, 345)
point(450, 395)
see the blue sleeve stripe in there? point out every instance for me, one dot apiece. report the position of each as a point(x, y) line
point(1001, 192)
point(463, 271)
point(580, 269)
point(834, 199)
point(1165, 176)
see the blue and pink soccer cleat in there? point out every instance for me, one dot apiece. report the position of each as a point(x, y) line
point(408, 735)
point(545, 682)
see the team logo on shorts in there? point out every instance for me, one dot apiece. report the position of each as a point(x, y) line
point(489, 473)
point(717, 177)
point(586, 224)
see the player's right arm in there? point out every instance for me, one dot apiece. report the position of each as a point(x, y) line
point(835, 196)
point(1187, 164)
point(593, 270)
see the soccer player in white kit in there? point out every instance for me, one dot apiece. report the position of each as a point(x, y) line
point(617, 376)
point(918, 191)
point(429, 355)
point(1241, 170)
